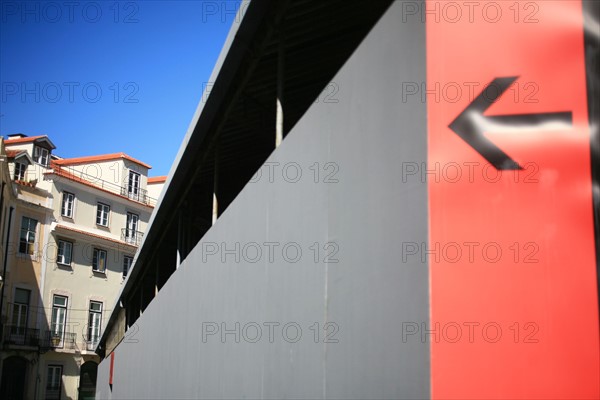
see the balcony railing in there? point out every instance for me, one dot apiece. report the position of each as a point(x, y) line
point(66, 341)
point(134, 193)
point(131, 236)
point(21, 336)
point(91, 344)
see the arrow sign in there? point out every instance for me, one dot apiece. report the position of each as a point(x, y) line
point(471, 124)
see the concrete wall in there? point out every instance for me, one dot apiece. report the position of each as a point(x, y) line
point(356, 212)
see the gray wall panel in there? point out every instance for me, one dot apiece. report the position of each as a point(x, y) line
point(102, 388)
point(368, 133)
point(372, 212)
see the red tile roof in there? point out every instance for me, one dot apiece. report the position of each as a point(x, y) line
point(157, 179)
point(9, 141)
point(15, 153)
point(102, 157)
point(23, 183)
point(24, 139)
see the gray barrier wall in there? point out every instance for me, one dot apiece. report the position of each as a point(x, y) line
point(361, 220)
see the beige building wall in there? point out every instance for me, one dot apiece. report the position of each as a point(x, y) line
point(78, 282)
point(155, 189)
point(109, 172)
point(24, 271)
point(85, 208)
point(35, 172)
point(49, 275)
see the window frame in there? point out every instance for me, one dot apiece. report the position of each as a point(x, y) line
point(55, 368)
point(20, 171)
point(65, 196)
point(55, 322)
point(131, 232)
point(21, 326)
point(58, 252)
point(94, 323)
point(96, 258)
point(38, 155)
point(102, 207)
point(129, 264)
point(134, 184)
point(27, 238)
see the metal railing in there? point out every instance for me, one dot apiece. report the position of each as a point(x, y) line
point(66, 341)
point(21, 336)
point(131, 236)
point(91, 344)
point(133, 193)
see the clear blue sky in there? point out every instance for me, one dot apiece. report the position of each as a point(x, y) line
point(149, 59)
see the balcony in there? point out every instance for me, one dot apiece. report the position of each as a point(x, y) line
point(66, 341)
point(136, 193)
point(21, 336)
point(91, 345)
point(131, 236)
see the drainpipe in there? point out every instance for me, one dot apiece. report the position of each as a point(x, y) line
point(10, 214)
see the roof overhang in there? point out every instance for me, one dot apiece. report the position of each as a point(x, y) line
point(33, 139)
point(20, 154)
point(100, 158)
point(237, 113)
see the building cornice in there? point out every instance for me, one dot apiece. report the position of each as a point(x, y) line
point(59, 227)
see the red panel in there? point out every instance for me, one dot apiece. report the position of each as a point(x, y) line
point(542, 290)
point(112, 365)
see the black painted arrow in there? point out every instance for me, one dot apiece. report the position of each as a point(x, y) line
point(471, 124)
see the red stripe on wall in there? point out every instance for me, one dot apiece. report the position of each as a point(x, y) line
point(514, 299)
point(112, 365)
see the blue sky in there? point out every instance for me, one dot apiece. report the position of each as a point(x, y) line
point(105, 76)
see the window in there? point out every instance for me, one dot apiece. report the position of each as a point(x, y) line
point(54, 382)
point(27, 239)
point(64, 253)
point(67, 205)
point(41, 155)
point(20, 169)
point(131, 227)
point(59, 318)
point(99, 261)
point(20, 311)
point(133, 185)
point(102, 213)
point(94, 323)
point(127, 261)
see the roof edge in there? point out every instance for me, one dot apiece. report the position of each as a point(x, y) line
point(101, 157)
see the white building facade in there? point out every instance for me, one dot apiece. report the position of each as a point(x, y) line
point(98, 210)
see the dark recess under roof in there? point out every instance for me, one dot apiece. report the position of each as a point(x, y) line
point(235, 131)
